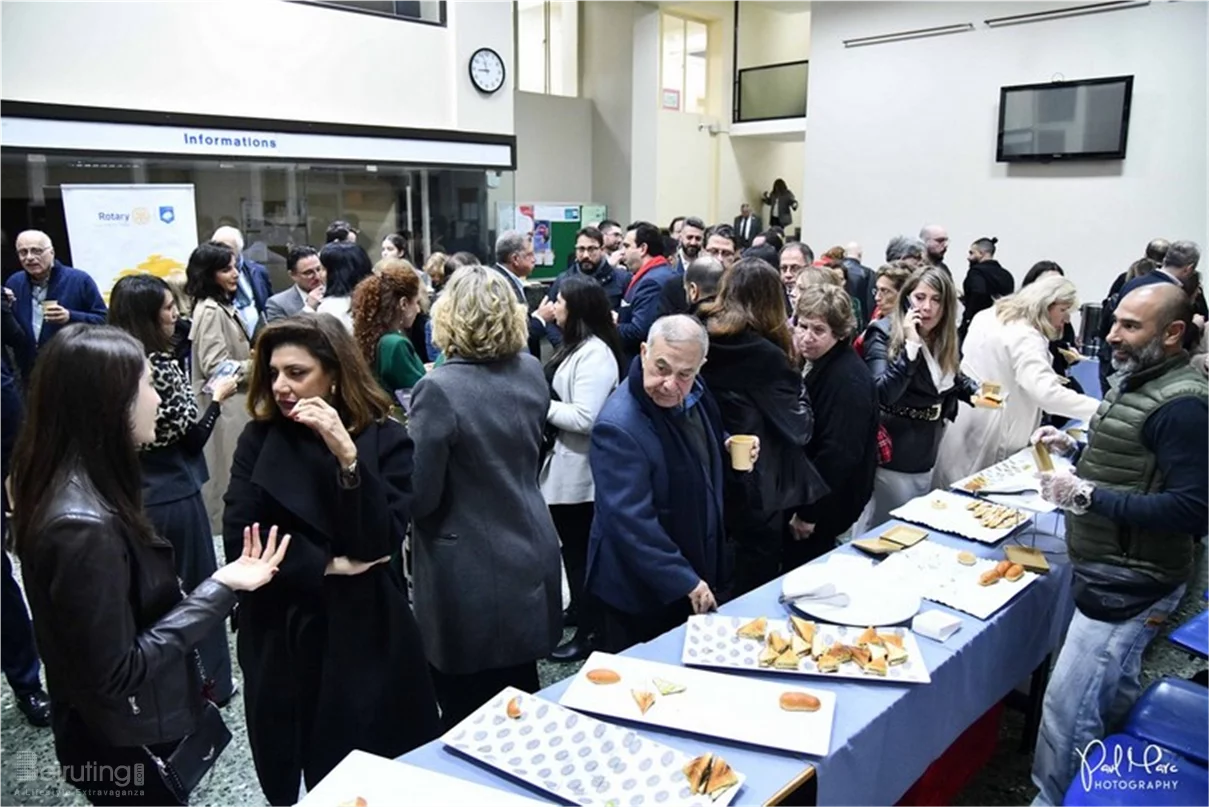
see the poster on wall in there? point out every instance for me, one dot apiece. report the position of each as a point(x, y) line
point(542, 246)
point(118, 230)
point(594, 214)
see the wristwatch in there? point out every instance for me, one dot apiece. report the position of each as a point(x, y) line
point(1082, 497)
point(348, 475)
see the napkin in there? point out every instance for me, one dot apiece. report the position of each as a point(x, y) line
point(935, 625)
point(814, 591)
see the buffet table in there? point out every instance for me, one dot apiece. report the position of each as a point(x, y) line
point(885, 735)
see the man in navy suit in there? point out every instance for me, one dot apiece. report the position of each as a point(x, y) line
point(644, 257)
point(48, 295)
point(255, 287)
point(658, 455)
point(515, 260)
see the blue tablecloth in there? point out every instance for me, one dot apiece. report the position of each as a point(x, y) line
point(885, 735)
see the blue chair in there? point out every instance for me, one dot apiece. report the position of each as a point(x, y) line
point(1193, 635)
point(1172, 713)
point(1171, 780)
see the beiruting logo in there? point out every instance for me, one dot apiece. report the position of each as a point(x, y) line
point(242, 141)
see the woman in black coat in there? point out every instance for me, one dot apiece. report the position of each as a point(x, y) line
point(114, 631)
point(331, 655)
point(752, 374)
point(174, 468)
point(915, 364)
point(844, 400)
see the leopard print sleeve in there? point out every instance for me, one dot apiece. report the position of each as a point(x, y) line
point(178, 407)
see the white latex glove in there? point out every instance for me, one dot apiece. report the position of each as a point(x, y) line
point(1060, 487)
point(1058, 442)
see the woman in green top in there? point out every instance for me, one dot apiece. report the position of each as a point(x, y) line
point(385, 306)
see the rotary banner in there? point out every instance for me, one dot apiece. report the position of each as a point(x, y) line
point(118, 230)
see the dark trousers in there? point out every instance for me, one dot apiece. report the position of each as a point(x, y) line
point(186, 526)
point(798, 553)
point(574, 522)
point(757, 543)
point(620, 630)
point(460, 695)
point(107, 774)
point(18, 658)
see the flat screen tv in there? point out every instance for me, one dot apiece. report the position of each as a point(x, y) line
point(1066, 120)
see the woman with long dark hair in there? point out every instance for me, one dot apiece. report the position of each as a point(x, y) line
point(582, 374)
point(331, 656)
point(781, 203)
point(174, 469)
point(753, 374)
point(346, 264)
point(218, 337)
point(113, 629)
point(385, 307)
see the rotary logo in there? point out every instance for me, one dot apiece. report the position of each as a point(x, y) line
point(140, 215)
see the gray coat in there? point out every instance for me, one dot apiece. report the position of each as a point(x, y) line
point(487, 578)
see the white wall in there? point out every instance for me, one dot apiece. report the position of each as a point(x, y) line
point(606, 79)
point(686, 163)
point(771, 34)
point(259, 58)
point(903, 134)
point(553, 148)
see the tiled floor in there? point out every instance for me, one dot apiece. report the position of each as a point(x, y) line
point(28, 774)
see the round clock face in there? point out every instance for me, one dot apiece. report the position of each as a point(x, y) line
point(487, 70)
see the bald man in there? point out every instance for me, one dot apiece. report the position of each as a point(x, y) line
point(48, 295)
point(1134, 504)
point(936, 243)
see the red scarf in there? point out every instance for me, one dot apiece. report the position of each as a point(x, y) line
point(647, 265)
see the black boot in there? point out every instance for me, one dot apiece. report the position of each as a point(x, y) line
point(579, 648)
point(571, 617)
point(35, 706)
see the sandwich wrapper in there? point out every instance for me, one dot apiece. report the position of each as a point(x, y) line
point(935, 624)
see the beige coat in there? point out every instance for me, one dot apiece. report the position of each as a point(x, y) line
point(1016, 356)
point(217, 336)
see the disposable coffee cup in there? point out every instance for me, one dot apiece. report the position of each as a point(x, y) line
point(48, 303)
point(740, 451)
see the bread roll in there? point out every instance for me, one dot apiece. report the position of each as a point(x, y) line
point(1014, 573)
point(966, 558)
point(1003, 566)
point(989, 577)
point(603, 677)
point(799, 702)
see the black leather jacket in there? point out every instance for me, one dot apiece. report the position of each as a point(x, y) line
point(115, 634)
point(903, 387)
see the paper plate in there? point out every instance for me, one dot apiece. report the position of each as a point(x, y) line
point(868, 604)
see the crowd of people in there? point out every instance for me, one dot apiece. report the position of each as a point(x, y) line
point(716, 407)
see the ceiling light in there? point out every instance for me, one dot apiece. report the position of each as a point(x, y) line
point(1062, 13)
point(900, 36)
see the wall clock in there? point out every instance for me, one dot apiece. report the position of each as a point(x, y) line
point(487, 70)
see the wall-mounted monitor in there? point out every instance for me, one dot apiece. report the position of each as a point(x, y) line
point(1065, 120)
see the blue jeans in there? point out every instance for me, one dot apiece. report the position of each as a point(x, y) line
point(1093, 685)
point(18, 655)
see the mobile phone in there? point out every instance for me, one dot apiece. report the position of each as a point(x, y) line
point(226, 369)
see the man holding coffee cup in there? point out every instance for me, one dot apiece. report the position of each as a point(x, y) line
point(658, 456)
point(48, 295)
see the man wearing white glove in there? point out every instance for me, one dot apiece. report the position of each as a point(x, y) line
point(1137, 498)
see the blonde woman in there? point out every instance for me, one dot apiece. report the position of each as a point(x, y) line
point(914, 361)
point(1009, 344)
point(488, 593)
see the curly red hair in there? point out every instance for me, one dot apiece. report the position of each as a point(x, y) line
point(376, 300)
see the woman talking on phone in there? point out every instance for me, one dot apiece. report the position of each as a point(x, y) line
point(112, 627)
point(331, 655)
point(914, 361)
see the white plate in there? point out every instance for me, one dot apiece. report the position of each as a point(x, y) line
point(745, 710)
point(711, 640)
point(953, 516)
point(381, 781)
point(577, 758)
point(1017, 472)
point(942, 579)
point(867, 604)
